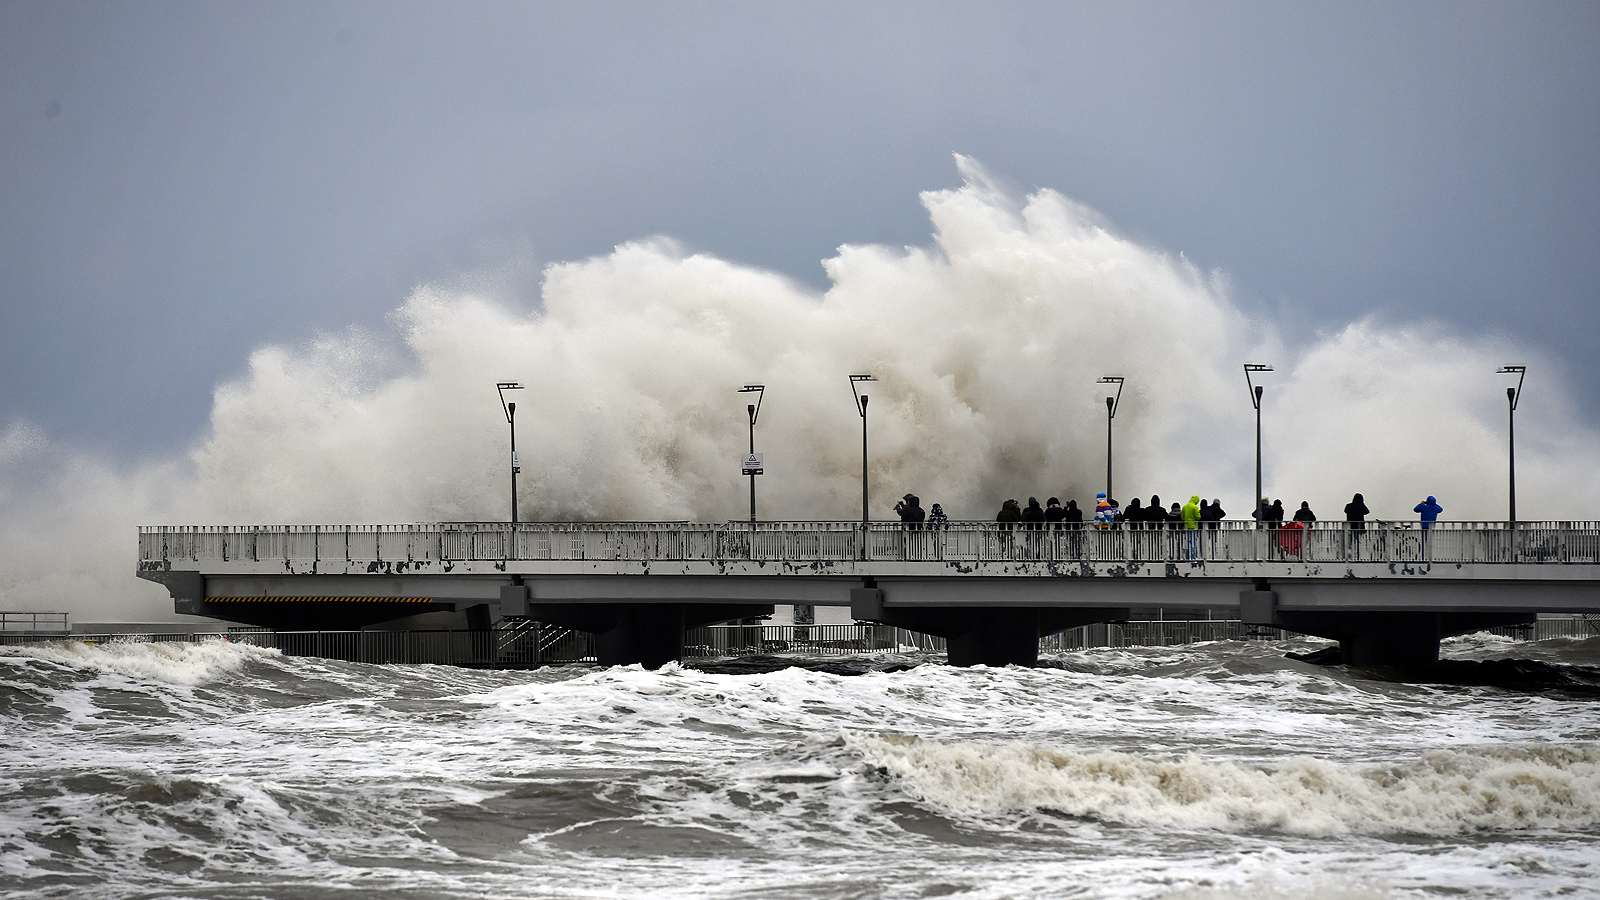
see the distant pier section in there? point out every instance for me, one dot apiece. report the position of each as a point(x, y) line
point(1387, 592)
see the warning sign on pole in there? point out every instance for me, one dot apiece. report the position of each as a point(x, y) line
point(752, 464)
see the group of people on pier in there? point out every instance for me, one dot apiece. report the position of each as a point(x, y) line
point(1107, 513)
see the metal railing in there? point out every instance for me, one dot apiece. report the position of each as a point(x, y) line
point(808, 640)
point(531, 644)
point(1233, 541)
point(34, 622)
point(1160, 633)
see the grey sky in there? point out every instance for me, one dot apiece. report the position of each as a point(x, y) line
point(180, 183)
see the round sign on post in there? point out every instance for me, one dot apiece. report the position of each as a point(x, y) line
point(752, 464)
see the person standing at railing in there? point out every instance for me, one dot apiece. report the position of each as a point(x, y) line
point(911, 514)
point(1008, 517)
point(1072, 521)
point(1191, 523)
point(1072, 516)
point(937, 523)
point(1010, 514)
point(1429, 510)
point(1134, 515)
point(1355, 516)
point(1033, 515)
point(1105, 515)
point(1033, 522)
point(1054, 514)
point(1304, 514)
point(1215, 513)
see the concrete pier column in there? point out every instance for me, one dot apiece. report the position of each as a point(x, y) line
point(650, 634)
point(1399, 640)
point(1000, 637)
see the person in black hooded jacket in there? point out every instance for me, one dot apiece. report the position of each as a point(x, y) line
point(1072, 516)
point(1355, 516)
point(911, 512)
point(1134, 512)
point(1356, 512)
point(1033, 515)
point(1053, 513)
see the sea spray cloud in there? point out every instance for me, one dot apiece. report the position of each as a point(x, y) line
point(68, 521)
point(986, 346)
point(987, 343)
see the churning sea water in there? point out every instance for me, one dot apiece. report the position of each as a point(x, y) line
point(1211, 770)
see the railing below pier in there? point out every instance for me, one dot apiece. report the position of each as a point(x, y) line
point(799, 542)
point(532, 646)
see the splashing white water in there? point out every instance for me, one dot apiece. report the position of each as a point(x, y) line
point(1442, 792)
point(175, 663)
point(986, 344)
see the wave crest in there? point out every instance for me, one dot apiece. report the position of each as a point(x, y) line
point(175, 663)
point(1440, 792)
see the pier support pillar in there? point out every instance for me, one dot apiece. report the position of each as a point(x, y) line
point(648, 634)
point(1394, 640)
point(1001, 637)
point(1374, 639)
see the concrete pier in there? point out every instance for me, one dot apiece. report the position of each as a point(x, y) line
point(1388, 593)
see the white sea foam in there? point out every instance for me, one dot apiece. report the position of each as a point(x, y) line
point(1285, 889)
point(1439, 792)
point(176, 663)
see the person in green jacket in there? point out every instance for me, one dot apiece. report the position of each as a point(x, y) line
point(1191, 522)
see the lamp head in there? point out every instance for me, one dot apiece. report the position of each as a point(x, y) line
point(1111, 402)
point(861, 399)
point(502, 387)
point(1514, 393)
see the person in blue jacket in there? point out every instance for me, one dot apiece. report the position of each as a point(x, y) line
point(1430, 510)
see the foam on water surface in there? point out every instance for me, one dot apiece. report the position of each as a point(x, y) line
point(1441, 792)
point(1214, 770)
point(177, 663)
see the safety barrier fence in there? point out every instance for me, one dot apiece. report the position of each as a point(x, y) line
point(532, 645)
point(808, 640)
point(1230, 541)
point(34, 622)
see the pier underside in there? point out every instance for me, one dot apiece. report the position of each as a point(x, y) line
point(985, 635)
point(649, 634)
point(1401, 639)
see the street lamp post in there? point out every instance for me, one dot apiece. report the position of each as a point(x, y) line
point(1111, 413)
point(1513, 394)
point(1255, 399)
point(510, 409)
point(754, 409)
point(861, 407)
